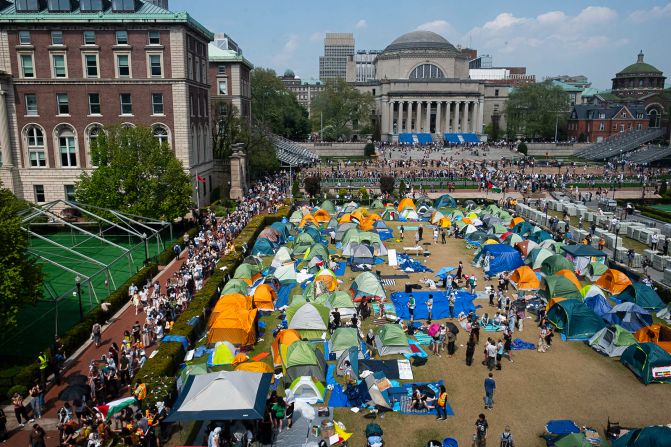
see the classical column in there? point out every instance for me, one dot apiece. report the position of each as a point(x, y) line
point(418, 121)
point(399, 123)
point(465, 126)
point(481, 115)
point(4, 130)
point(455, 117)
point(427, 126)
point(389, 124)
point(439, 106)
point(448, 121)
point(474, 117)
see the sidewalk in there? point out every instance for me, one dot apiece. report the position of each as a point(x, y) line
point(78, 363)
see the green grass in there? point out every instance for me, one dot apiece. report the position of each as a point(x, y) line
point(666, 208)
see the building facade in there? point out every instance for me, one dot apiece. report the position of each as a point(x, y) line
point(230, 76)
point(338, 48)
point(304, 90)
point(70, 69)
point(422, 85)
point(596, 123)
point(361, 66)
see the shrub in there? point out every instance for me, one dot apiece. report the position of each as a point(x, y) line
point(401, 189)
point(369, 150)
point(312, 186)
point(522, 148)
point(387, 185)
point(21, 389)
point(662, 188)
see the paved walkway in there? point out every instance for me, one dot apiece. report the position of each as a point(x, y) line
point(78, 363)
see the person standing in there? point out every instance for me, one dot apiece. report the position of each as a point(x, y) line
point(420, 232)
point(451, 339)
point(44, 364)
point(460, 270)
point(490, 349)
point(452, 299)
point(441, 404)
point(435, 236)
point(666, 247)
point(96, 334)
point(654, 239)
point(37, 436)
point(429, 307)
point(443, 236)
point(481, 426)
point(411, 307)
point(499, 354)
point(541, 339)
point(20, 410)
point(507, 438)
point(470, 349)
point(417, 238)
point(401, 230)
point(490, 386)
point(37, 393)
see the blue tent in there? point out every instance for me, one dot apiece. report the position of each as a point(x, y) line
point(263, 247)
point(644, 296)
point(599, 305)
point(445, 201)
point(406, 138)
point(539, 236)
point(629, 316)
point(523, 228)
point(424, 138)
point(504, 258)
point(281, 228)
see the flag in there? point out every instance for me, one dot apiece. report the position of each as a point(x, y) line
point(200, 179)
point(111, 408)
point(493, 187)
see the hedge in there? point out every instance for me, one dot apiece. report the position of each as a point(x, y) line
point(159, 372)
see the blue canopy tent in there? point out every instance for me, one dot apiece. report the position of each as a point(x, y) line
point(470, 138)
point(582, 255)
point(503, 258)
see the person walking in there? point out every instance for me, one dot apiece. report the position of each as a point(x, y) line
point(451, 300)
point(420, 232)
point(20, 410)
point(490, 386)
point(411, 307)
point(96, 334)
point(470, 349)
point(401, 230)
point(435, 236)
point(441, 404)
point(481, 426)
point(507, 438)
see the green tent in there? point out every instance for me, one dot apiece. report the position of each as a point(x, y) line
point(377, 204)
point(389, 214)
point(316, 250)
point(328, 206)
point(655, 436)
point(236, 286)
point(595, 269)
point(314, 290)
point(513, 239)
point(536, 257)
point(296, 217)
point(391, 339)
point(309, 319)
point(245, 271)
point(302, 243)
point(445, 201)
point(612, 341)
point(574, 319)
point(354, 235)
point(341, 300)
point(648, 362)
point(342, 339)
point(554, 263)
point(312, 231)
point(573, 440)
point(643, 295)
point(303, 359)
point(557, 285)
point(499, 229)
point(367, 284)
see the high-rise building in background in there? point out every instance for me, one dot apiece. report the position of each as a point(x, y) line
point(338, 47)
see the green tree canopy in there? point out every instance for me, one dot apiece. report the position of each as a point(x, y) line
point(21, 277)
point(343, 109)
point(275, 108)
point(135, 174)
point(533, 110)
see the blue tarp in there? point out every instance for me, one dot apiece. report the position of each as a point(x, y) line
point(424, 138)
point(442, 273)
point(414, 138)
point(460, 138)
point(441, 307)
point(405, 262)
point(504, 258)
point(283, 295)
point(470, 138)
point(178, 339)
point(562, 427)
point(340, 271)
point(405, 138)
point(518, 344)
point(338, 398)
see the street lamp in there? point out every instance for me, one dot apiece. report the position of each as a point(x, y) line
point(617, 232)
point(78, 282)
point(146, 249)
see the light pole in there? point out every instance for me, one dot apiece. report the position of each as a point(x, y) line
point(78, 282)
point(146, 249)
point(617, 232)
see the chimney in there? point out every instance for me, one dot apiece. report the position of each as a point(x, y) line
point(640, 57)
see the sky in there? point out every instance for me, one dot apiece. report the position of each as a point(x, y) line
point(595, 39)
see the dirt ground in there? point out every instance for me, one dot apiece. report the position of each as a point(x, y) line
point(570, 381)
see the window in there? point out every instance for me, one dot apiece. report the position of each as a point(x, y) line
point(624, 114)
point(427, 71)
point(94, 103)
point(62, 103)
point(123, 5)
point(154, 38)
point(57, 38)
point(126, 104)
point(35, 140)
point(602, 126)
point(221, 69)
point(122, 37)
point(27, 69)
point(58, 63)
point(621, 127)
point(155, 65)
point(31, 104)
point(223, 86)
point(161, 135)
point(67, 149)
point(60, 5)
point(602, 116)
point(91, 62)
point(24, 37)
point(91, 5)
point(27, 5)
point(123, 67)
point(89, 37)
point(639, 126)
point(157, 103)
point(496, 92)
point(189, 66)
point(39, 193)
point(69, 192)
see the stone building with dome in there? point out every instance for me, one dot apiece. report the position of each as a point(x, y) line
point(422, 86)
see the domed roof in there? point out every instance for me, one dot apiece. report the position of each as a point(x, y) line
point(289, 73)
point(640, 67)
point(420, 40)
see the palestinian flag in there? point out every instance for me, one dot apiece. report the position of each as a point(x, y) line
point(111, 408)
point(493, 187)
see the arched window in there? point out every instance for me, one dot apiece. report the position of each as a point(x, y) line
point(92, 133)
point(36, 148)
point(654, 118)
point(161, 134)
point(427, 71)
point(67, 146)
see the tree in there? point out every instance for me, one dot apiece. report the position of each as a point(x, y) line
point(369, 150)
point(402, 189)
point(295, 189)
point(522, 148)
point(135, 174)
point(536, 110)
point(343, 110)
point(21, 278)
point(387, 185)
point(275, 109)
point(312, 186)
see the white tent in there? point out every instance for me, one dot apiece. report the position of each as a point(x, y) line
point(283, 256)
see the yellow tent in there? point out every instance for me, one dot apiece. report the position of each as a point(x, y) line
point(282, 341)
point(264, 297)
point(436, 216)
point(322, 216)
point(467, 220)
point(614, 281)
point(234, 325)
point(240, 358)
point(491, 241)
point(231, 300)
point(259, 367)
point(525, 279)
point(444, 222)
point(406, 203)
point(347, 217)
point(358, 215)
point(568, 274)
point(515, 221)
point(308, 218)
point(327, 277)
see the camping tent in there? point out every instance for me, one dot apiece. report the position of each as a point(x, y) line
point(257, 367)
point(568, 274)
point(281, 343)
point(315, 250)
point(389, 214)
point(377, 204)
point(328, 278)
point(342, 229)
point(307, 389)
point(445, 201)
point(264, 297)
point(613, 281)
point(555, 263)
point(310, 319)
point(229, 301)
point(234, 325)
point(582, 255)
point(302, 243)
point(391, 340)
point(524, 278)
point(599, 304)
point(612, 341)
point(247, 272)
point(526, 246)
point(367, 284)
point(296, 217)
point(540, 236)
point(283, 229)
point(328, 206)
point(283, 256)
point(557, 285)
point(523, 228)
point(665, 313)
point(648, 362)
point(285, 274)
point(574, 319)
point(343, 302)
point(322, 216)
point(314, 232)
point(360, 254)
point(655, 333)
point(536, 257)
point(263, 247)
point(629, 316)
point(235, 286)
point(222, 354)
point(304, 359)
point(410, 214)
point(655, 436)
point(643, 295)
point(308, 219)
point(594, 270)
point(245, 397)
point(503, 258)
point(405, 204)
point(342, 339)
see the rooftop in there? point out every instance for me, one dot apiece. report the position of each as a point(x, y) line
point(640, 67)
point(420, 40)
point(216, 54)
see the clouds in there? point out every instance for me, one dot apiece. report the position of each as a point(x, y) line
point(285, 56)
point(442, 27)
point(361, 24)
point(657, 12)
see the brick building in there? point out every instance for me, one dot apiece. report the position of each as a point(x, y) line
point(70, 68)
point(596, 123)
point(230, 76)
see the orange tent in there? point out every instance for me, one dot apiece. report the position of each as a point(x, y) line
point(614, 281)
point(347, 217)
point(467, 220)
point(282, 341)
point(444, 222)
point(258, 367)
point(327, 277)
point(264, 297)
point(553, 301)
point(240, 358)
point(231, 300)
point(525, 278)
point(234, 325)
point(358, 215)
point(322, 216)
point(655, 333)
point(308, 218)
point(568, 274)
point(406, 203)
point(515, 221)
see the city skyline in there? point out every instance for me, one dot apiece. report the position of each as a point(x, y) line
point(582, 37)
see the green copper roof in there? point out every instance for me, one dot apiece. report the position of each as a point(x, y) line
point(566, 87)
point(146, 12)
point(640, 67)
point(216, 54)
